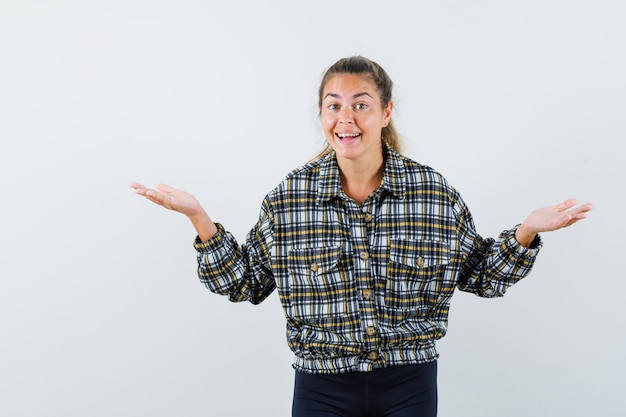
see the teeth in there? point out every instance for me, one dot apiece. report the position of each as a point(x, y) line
point(343, 135)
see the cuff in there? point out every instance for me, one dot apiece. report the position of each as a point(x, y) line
point(212, 243)
point(508, 238)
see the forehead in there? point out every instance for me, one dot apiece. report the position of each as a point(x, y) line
point(349, 85)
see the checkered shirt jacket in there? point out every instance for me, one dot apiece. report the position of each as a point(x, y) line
point(363, 286)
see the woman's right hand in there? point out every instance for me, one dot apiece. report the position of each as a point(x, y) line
point(182, 202)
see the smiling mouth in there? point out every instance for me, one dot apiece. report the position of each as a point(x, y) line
point(343, 136)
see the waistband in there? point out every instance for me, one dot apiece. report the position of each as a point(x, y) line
point(366, 361)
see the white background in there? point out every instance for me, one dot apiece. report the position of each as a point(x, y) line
point(519, 104)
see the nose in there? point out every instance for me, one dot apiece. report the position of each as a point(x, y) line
point(346, 115)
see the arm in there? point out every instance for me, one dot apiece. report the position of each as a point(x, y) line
point(224, 267)
point(491, 266)
point(241, 272)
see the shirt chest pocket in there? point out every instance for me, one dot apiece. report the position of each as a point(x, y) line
point(414, 272)
point(320, 286)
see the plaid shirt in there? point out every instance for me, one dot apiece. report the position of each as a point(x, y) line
point(363, 286)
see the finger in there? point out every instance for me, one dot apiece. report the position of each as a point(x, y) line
point(587, 207)
point(138, 188)
point(154, 195)
point(155, 198)
point(135, 185)
point(581, 212)
point(578, 214)
point(162, 197)
point(567, 204)
point(164, 188)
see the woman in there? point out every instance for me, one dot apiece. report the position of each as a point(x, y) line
point(366, 248)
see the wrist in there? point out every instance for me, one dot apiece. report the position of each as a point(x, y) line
point(204, 226)
point(524, 236)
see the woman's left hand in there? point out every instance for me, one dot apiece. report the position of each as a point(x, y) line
point(551, 218)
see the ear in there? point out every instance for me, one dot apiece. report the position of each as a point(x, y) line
point(387, 111)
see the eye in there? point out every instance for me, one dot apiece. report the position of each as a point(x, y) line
point(332, 107)
point(360, 106)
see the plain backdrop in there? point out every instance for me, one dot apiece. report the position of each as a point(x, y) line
point(519, 104)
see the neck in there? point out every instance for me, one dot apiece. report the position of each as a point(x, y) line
point(360, 179)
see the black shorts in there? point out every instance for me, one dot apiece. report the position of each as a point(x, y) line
point(399, 391)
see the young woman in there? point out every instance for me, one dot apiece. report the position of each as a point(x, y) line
point(365, 247)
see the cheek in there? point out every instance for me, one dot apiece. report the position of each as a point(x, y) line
point(328, 122)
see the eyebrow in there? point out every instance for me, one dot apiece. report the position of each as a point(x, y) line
point(357, 95)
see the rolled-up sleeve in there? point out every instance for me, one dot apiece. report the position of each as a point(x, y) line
point(241, 272)
point(490, 265)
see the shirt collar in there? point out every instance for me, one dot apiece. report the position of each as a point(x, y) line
point(329, 185)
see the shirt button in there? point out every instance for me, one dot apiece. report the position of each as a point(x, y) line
point(368, 217)
point(419, 261)
point(371, 331)
point(364, 255)
point(314, 267)
point(367, 294)
point(372, 356)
